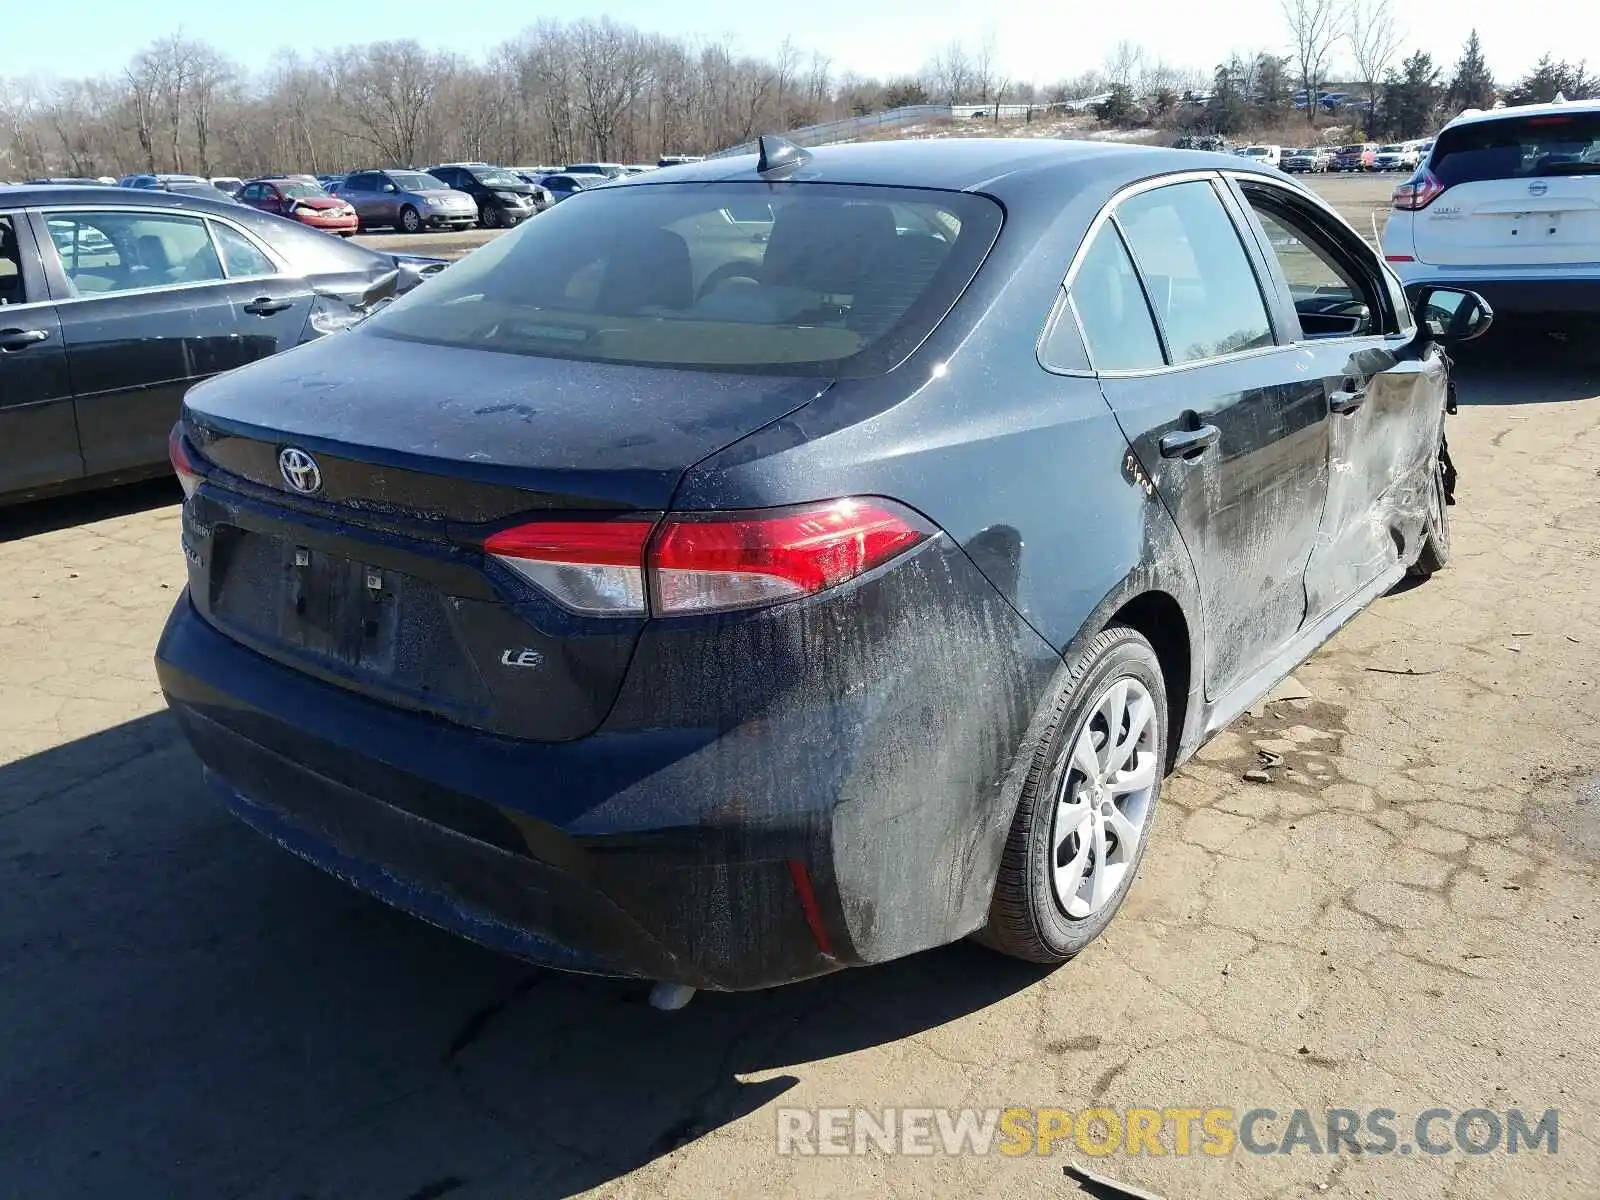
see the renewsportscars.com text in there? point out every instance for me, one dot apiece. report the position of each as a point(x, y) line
point(1214, 1131)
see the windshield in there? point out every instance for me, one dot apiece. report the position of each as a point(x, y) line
point(841, 280)
point(1391, 150)
point(416, 181)
point(1257, 152)
point(1518, 148)
point(496, 179)
point(1351, 149)
point(300, 191)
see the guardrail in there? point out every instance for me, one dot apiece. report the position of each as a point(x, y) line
point(850, 128)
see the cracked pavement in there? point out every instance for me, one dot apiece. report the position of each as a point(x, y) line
point(1403, 917)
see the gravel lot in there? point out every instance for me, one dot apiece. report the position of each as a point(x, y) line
point(1405, 917)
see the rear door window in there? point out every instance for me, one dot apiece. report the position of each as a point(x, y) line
point(11, 289)
point(841, 280)
point(1207, 299)
point(1518, 148)
point(122, 251)
point(1111, 308)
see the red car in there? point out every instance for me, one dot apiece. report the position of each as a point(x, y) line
point(303, 202)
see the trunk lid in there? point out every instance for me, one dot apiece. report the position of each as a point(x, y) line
point(375, 582)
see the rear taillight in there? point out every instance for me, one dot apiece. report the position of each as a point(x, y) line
point(185, 462)
point(1416, 193)
point(712, 562)
point(592, 567)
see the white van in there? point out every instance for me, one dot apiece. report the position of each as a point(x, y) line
point(1272, 156)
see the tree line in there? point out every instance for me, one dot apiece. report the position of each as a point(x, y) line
point(1394, 96)
point(599, 89)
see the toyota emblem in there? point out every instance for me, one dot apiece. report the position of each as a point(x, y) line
point(1538, 187)
point(299, 470)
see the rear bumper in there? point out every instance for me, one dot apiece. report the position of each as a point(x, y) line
point(687, 853)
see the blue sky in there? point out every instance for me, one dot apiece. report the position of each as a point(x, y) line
point(1039, 40)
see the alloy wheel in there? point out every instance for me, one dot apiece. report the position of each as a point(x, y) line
point(1106, 797)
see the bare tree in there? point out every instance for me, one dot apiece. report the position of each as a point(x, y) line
point(1314, 30)
point(612, 74)
point(951, 75)
point(387, 91)
point(1374, 42)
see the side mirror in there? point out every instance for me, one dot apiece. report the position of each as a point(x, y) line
point(1452, 315)
point(390, 188)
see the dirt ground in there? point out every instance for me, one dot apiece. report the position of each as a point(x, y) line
point(1404, 917)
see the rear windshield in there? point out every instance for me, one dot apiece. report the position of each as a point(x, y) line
point(836, 280)
point(1518, 148)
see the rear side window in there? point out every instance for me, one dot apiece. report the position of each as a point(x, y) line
point(1111, 308)
point(1199, 279)
point(1518, 148)
point(11, 291)
point(241, 256)
point(840, 280)
point(121, 251)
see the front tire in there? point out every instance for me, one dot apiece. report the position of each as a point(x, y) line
point(1435, 553)
point(1087, 805)
point(489, 217)
point(410, 220)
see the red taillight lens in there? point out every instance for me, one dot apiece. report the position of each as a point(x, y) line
point(185, 462)
point(1418, 192)
point(710, 563)
point(722, 562)
point(589, 566)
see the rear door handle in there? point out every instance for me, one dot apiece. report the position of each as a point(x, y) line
point(21, 339)
point(1348, 398)
point(1187, 443)
point(265, 306)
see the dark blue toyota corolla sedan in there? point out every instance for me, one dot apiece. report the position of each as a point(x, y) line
point(784, 563)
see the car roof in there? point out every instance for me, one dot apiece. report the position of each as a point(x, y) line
point(29, 195)
point(997, 166)
point(1555, 108)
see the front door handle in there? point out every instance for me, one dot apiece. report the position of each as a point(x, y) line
point(1187, 443)
point(1348, 398)
point(265, 306)
point(21, 339)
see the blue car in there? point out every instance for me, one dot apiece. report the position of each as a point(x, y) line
point(765, 566)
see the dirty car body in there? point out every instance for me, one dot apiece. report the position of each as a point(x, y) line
point(508, 607)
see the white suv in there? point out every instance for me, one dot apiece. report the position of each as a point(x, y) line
point(1507, 203)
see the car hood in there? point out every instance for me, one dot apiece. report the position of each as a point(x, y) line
point(319, 202)
point(606, 432)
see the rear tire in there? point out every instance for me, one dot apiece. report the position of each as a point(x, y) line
point(1435, 553)
point(1092, 787)
point(410, 220)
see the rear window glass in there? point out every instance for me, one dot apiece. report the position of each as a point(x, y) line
point(1518, 148)
point(824, 280)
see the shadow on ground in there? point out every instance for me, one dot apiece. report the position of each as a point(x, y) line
point(46, 516)
point(1521, 362)
point(188, 1011)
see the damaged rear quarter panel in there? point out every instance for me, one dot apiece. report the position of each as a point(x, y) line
point(1027, 474)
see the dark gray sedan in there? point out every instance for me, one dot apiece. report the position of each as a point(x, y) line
point(786, 563)
point(113, 301)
